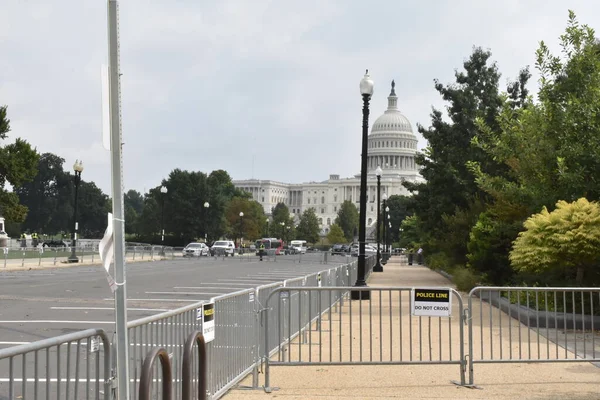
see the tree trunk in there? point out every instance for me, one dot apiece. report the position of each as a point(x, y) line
point(579, 277)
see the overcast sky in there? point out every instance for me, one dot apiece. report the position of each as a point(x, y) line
point(260, 88)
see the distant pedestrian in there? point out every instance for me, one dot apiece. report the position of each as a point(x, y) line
point(420, 256)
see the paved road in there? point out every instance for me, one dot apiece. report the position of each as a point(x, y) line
point(44, 303)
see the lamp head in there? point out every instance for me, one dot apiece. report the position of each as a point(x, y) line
point(366, 85)
point(384, 197)
point(163, 189)
point(387, 209)
point(378, 171)
point(78, 166)
point(206, 204)
point(241, 213)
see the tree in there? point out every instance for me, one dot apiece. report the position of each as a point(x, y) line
point(250, 225)
point(18, 164)
point(336, 234)
point(347, 219)
point(50, 199)
point(47, 196)
point(93, 207)
point(280, 214)
point(134, 204)
point(551, 149)
point(566, 239)
point(450, 185)
point(308, 227)
point(400, 207)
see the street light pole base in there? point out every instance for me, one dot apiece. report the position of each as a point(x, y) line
point(360, 294)
point(73, 259)
point(378, 267)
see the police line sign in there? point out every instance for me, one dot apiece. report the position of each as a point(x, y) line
point(431, 302)
point(206, 315)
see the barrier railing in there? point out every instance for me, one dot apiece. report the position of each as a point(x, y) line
point(146, 381)
point(72, 366)
point(380, 330)
point(38, 256)
point(525, 324)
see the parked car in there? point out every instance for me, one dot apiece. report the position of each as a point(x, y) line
point(339, 249)
point(311, 250)
point(222, 247)
point(54, 243)
point(288, 250)
point(196, 250)
point(368, 250)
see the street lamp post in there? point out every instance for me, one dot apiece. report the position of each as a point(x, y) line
point(163, 191)
point(378, 267)
point(386, 221)
point(78, 169)
point(241, 228)
point(206, 206)
point(267, 220)
point(282, 231)
point(366, 91)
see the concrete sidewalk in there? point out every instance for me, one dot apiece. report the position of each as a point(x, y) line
point(494, 381)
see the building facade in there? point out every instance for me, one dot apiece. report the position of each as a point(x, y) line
point(391, 145)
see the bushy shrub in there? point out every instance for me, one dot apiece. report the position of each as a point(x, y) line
point(439, 261)
point(465, 279)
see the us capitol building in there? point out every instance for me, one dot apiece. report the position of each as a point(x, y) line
point(392, 145)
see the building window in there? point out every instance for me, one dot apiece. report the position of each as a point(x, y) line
point(335, 208)
point(320, 221)
point(322, 199)
point(308, 201)
point(322, 211)
point(328, 221)
point(370, 221)
point(371, 208)
point(263, 199)
point(335, 198)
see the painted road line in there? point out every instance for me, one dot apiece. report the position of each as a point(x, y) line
point(107, 308)
point(161, 300)
point(45, 321)
point(212, 283)
point(203, 293)
point(211, 287)
point(249, 280)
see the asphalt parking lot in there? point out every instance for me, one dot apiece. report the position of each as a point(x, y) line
point(39, 304)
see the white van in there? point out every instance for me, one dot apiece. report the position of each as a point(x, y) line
point(299, 246)
point(222, 247)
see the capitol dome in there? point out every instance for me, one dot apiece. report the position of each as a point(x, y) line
point(392, 143)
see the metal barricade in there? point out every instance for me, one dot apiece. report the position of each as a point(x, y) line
point(168, 330)
point(366, 332)
point(76, 365)
point(146, 381)
point(526, 324)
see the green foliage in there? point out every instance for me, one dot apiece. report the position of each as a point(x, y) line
point(250, 225)
point(347, 219)
point(134, 205)
point(465, 279)
point(400, 208)
point(565, 239)
point(448, 202)
point(336, 235)
point(18, 162)
point(308, 227)
point(439, 261)
point(551, 148)
point(50, 198)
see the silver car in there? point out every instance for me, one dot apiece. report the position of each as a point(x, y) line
point(195, 250)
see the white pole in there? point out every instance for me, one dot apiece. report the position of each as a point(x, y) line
point(122, 358)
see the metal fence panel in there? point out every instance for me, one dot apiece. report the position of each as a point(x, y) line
point(380, 330)
point(72, 366)
point(525, 324)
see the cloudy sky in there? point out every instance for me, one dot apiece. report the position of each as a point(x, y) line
point(261, 88)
